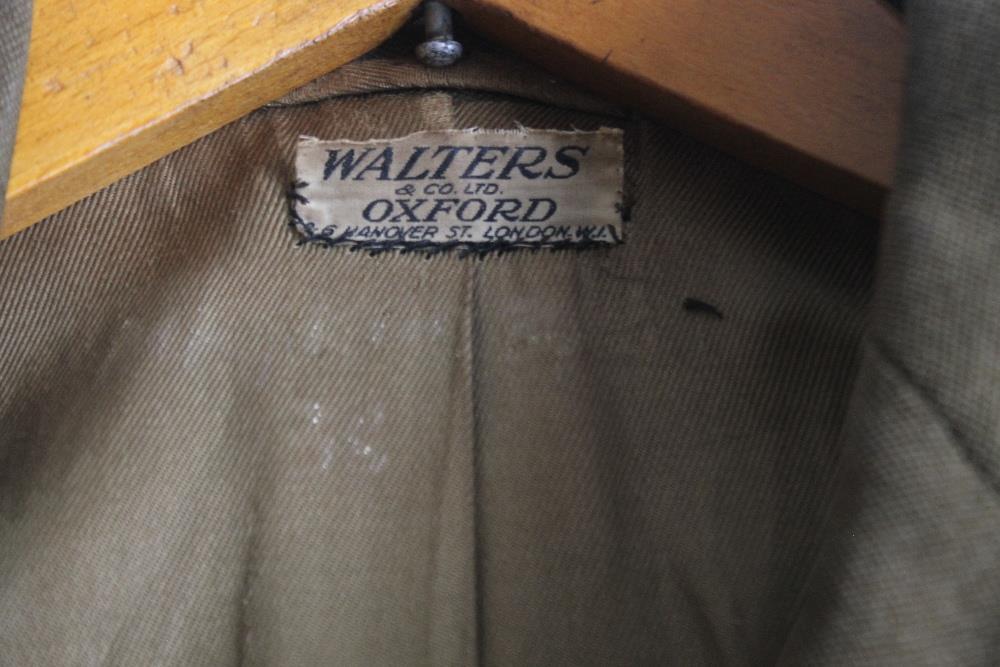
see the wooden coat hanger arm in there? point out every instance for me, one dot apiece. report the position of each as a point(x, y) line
point(807, 88)
point(116, 85)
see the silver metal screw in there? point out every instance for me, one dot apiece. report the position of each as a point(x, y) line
point(439, 48)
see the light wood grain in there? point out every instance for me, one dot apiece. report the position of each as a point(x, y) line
point(112, 85)
point(808, 88)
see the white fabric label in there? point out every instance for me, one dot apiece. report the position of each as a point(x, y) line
point(479, 189)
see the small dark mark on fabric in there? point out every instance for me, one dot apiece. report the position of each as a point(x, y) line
point(693, 305)
point(606, 56)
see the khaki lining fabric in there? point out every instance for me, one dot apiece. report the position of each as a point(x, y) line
point(224, 448)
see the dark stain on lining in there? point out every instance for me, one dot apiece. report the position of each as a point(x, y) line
point(693, 305)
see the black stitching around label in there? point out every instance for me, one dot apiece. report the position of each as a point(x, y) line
point(475, 191)
point(309, 235)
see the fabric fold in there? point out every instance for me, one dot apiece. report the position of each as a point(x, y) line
point(912, 569)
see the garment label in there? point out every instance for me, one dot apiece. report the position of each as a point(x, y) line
point(480, 189)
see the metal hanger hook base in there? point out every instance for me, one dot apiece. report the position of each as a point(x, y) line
point(439, 49)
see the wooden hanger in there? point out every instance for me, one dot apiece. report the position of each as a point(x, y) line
point(810, 89)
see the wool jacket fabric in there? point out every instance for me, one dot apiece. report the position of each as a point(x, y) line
point(218, 446)
point(15, 29)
